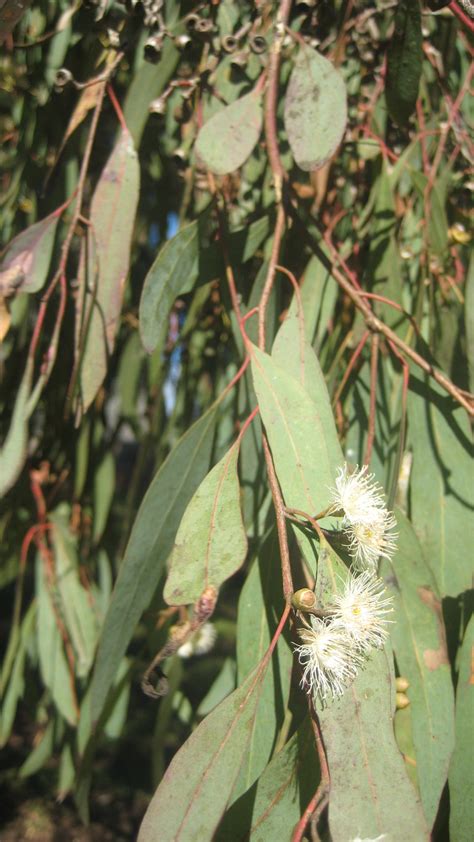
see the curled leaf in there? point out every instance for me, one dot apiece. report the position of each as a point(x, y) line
point(25, 263)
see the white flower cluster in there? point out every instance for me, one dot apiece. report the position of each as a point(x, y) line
point(334, 648)
point(367, 523)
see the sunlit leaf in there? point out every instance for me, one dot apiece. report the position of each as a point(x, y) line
point(225, 142)
point(315, 109)
point(442, 491)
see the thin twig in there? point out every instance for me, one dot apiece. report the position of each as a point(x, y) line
point(376, 325)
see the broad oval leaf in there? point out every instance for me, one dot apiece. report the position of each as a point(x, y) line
point(211, 543)
point(404, 61)
point(197, 784)
point(315, 109)
point(149, 546)
point(419, 641)
point(25, 263)
point(112, 219)
point(225, 142)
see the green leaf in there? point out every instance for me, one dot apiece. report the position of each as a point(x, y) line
point(13, 450)
point(72, 599)
point(275, 803)
point(469, 320)
point(54, 667)
point(441, 487)
point(40, 754)
point(173, 273)
point(112, 218)
point(260, 608)
point(16, 682)
point(147, 84)
point(198, 782)
point(418, 638)
point(304, 459)
point(318, 297)
point(211, 543)
point(225, 142)
point(104, 490)
point(360, 746)
point(304, 366)
point(25, 263)
point(223, 685)
point(461, 773)
point(148, 549)
point(183, 262)
point(315, 109)
point(404, 61)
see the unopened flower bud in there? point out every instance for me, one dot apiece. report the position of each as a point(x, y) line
point(401, 684)
point(401, 701)
point(303, 600)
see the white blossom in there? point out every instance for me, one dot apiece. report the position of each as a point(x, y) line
point(367, 523)
point(328, 658)
point(368, 541)
point(200, 643)
point(361, 611)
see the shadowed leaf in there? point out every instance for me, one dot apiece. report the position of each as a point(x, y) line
point(112, 218)
point(404, 61)
point(25, 262)
point(461, 773)
point(148, 549)
point(197, 785)
point(211, 543)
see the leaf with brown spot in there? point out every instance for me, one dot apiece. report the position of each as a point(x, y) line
point(25, 262)
point(418, 637)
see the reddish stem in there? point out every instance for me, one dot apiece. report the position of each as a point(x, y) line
point(461, 15)
point(117, 108)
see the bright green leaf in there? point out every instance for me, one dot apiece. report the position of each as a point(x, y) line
point(461, 773)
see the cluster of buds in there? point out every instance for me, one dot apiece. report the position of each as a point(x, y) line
point(336, 641)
